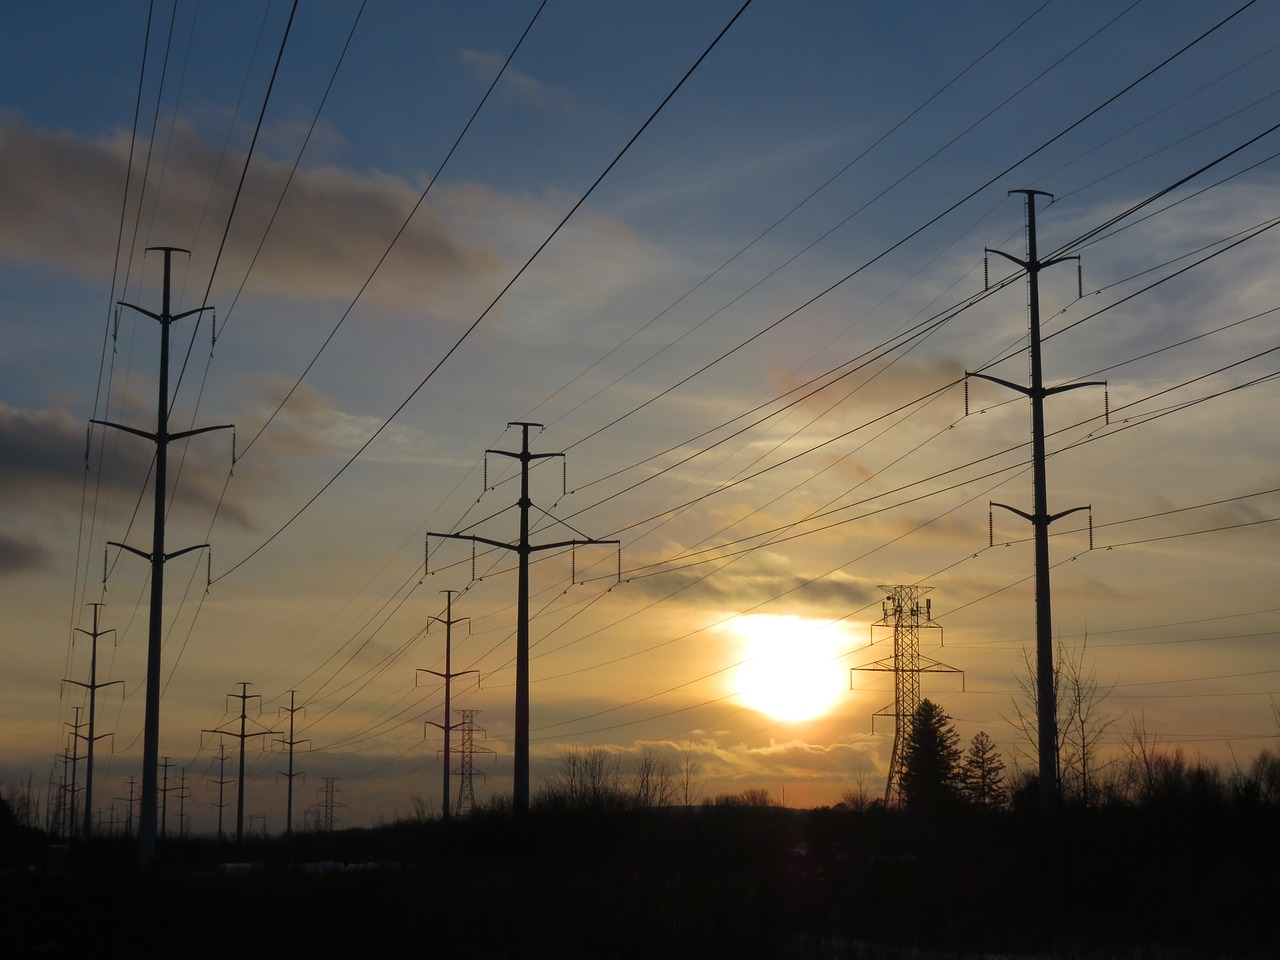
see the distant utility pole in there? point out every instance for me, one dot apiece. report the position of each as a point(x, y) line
point(222, 781)
point(155, 634)
point(164, 797)
point(290, 743)
point(93, 686)
point(448, 675)
point(1040, 517)
point(183, 793)
point(244, 697)
point(523, 549)
point(67, 821)
point(903, 612)
point(132, 784)
point(467, 767)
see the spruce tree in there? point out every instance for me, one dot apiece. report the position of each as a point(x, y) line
point(931, 761)
point(982, 774)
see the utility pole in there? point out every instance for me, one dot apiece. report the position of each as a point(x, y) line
point(69, 788)
point(244, 697)
point(1040, 517)
point(183, 793)
point(523, 549)
point(903, 611)
point(155, 633)
point(467, 769)
point(164, 798)
point(222, 781)
point(92, 686)
point(448, 675)
point(131, 783)
point(290, 743)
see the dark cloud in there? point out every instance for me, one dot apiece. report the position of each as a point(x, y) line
point(61, 196)
point(22, 554)
point(42, 466)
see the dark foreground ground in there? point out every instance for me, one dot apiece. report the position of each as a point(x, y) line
point(706, 883)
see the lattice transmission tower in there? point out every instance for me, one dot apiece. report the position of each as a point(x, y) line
point(467, 751)
point(903, 612)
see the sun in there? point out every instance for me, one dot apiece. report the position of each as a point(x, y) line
point(791, 669)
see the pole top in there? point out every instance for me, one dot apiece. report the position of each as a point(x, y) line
point(170, 249)
point(1032, 193)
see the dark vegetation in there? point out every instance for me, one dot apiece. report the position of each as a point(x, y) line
point(1183, 876)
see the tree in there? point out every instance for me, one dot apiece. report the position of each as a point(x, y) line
point(982, 774)
point(930, 761)
point(1081, 720)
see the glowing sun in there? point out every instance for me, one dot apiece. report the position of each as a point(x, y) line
point(791, 668)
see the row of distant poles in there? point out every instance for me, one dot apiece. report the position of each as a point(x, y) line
point(906, 607)
point(907, 616)
point(158, 556)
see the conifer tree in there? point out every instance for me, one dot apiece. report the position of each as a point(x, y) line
point(931, 761)
point(982, 774)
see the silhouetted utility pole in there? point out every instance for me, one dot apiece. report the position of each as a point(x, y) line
point(164, 797)
point(155, 633)
point(290, 743)
point(92, 686)
point(183, 792)
point(132, 784)
point(467, 768)
point(244, 697)
point(904, 613)
point(1040, 517)
point(222, 781)
point(447, 676)
point(69, 788)
point(523, 549)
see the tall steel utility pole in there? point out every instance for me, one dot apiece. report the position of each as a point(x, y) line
point(72, 757)
point(907, 616)
point(244, 697)
point(164, 797)
point(132, 784)
point(93, 686)
point(1040, 517)
point(155, 632)
point(523, 549)
point(447, 676)
point(291, 709)
point(221, 782)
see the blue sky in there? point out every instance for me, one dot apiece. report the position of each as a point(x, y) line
point(827, 178)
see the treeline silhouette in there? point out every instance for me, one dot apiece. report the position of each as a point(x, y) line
point(614, 863)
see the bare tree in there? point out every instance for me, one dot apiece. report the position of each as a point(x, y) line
point(652, 781)
point(858, 796)
point(1082, 720)
point(689, 771)
point(23, 802)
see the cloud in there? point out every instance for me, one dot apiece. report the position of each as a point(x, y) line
point(42, 466)
point(519, 86)
point(20, 553)
point(61, 194)
point(755, 580)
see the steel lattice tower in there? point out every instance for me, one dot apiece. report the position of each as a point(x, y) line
point(907, 616)
point(466, 761)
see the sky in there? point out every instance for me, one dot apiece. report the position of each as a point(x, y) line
point(733, 262)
